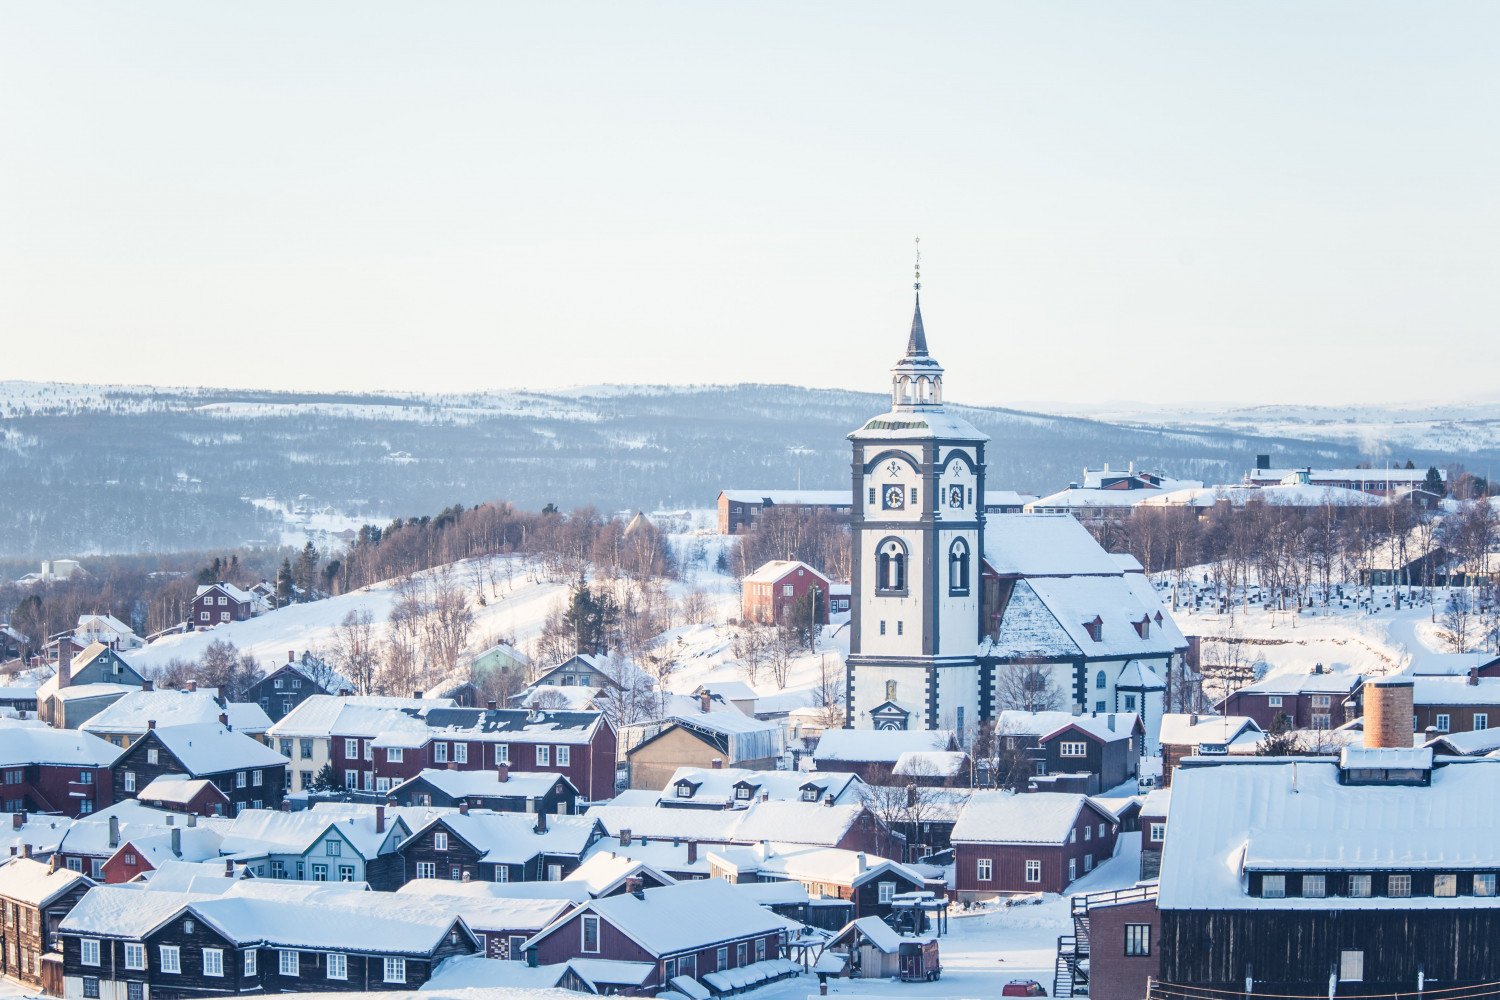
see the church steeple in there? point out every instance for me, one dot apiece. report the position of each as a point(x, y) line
point(917, 379)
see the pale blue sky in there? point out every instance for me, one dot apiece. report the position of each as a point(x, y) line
point(1258, 201)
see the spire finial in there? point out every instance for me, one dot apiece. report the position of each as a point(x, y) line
point(917, 284)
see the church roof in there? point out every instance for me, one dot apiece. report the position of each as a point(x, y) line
point(916, 344)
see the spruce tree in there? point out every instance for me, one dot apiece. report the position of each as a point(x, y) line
point(1434, 481)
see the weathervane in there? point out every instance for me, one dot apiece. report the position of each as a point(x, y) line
point(917, 284)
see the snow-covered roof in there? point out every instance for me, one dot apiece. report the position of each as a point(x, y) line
point(1440, 691)
point(269, 831)
point(512, 725)
point(831, 865)
point(1104, 726)
point(682, 917)
point(573, 697)
point(190, 843)
point(34, 883)
point(798, 822)
point(212, 749)
point(1469, 744)
point(1007, 498)
point(1180, 729)
point(1384, 758)
point(1078, 497)
point(82, 692)
point(468, 784)
point(229, 590)
point(1051, 618)
point(740, 737)
point(176, 708)
point(610, 972)
point(1356, 475)
point(563, 890)
point(512, 838)
point(728, 689)
point(878, 933)
point(89, 836)
point(22, 744)
point(1156, 802)
point(109, 622)
point(1425, 663)
point(176, 789)
point(1299, 681)
point(353, 715)
point(793, 822)
point(1034, 545)
point(717, 785)
point(920, 425)
point(1001, 817)
point(486, 912)
point(1275, 815)
point(809, 498)
point(935, 763)
point(1290, 495)
point(604, 871)
point(776, 569)
point(885, 746)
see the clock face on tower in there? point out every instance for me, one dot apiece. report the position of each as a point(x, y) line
point(955, 496)
point(893, 497)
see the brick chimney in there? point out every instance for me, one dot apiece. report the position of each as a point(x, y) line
point(718, 764)
point(765, 796)
point(692, 847)
point(492, 704)
point(705, 699)
point(148, 685)
point(502, 771)
point(541, 821)
point(64, 662)
point(463, 808)
point(828, 801)
point(193, 684)
point(625, 837)
point(286, 805)
point(291, 656)
point(228, 868)
point(1388, 713)
point(17, 820)
point(25, 850)
point(1474, 676)
point(150, 723)
point(634, 886)
point(380, 819)
point(224, 719)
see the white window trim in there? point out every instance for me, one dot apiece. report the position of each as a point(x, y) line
point(218, 959)
point(583, 934)
point(88, 951)
point(289, 962)
point(171, 959)
point(1033, 871)
point(984, 870)
point(135, 956)
point(395, 970)
point(338, 965)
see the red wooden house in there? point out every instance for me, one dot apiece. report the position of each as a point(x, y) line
point(767, 594)
point(46, 770)
point(694, 929)
point(1038, 842)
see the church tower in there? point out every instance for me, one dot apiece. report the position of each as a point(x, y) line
point(918, 538)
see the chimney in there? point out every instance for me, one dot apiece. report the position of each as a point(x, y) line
point(1193, 719)
point(114, 832)
point(17, 820)
point(1474, 676)
point(64, 661)
point(692, 847)
point(633, 885)
point(1388, 713)
point(52, 863)
point(1110, 721)
point(176, 841)
point(828, 801)
point(13, 850)
point(380, 819)
point(171, 820)
point(150, 723)
point(765, 796)
point(625, 837)
point(286, 805)
point(417, 694)
point(291, 656)
point(148, 685)
point(463, 807)
point(224, 719)
point(228, 868)
point(192, 820)
point(193, 684)
point(492, 704)
point(704, 700)
point(863, 862)
point(25, 850)
point(541, 822)
point(718, 763)
point(502, 771)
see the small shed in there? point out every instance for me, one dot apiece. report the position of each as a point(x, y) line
point(875, 951)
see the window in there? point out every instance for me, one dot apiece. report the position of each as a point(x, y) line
point(351, 749)
point(223, 601)
point(278, 869)
point(1137, 940)
point(502, 873)
point(203, 616)
point(440, 753)
point(590, 931)
point(346, 873)
point(1088, 833)
point(426, 869)
point(1445, 885)
point(1352, 966)
point(351, 780)
point(304, 780)
point(882, 626)
point(1359, 886)
point(395, 970)
point(135, 956)
point(564, 756)
point(1273, 886)
point(333, 848)
point(1484, 884)
point(886, 891)
point(543, 755)
point(250, 957)
point(502, 753)
point(901, 628)
point(88, 951)
point(890, 567)
point(1073, 749)
point(787, 590)
point(1099, 707)
point(257, 778)
point(223, 616)
point(395, 755)
point(320, 873)
point(213, 961)
point(171, 958)
point(1100, 681)
point(1033, 871)
point(958, 568)
point(1158, 833)
point(440, 841)
point(1322, 700)
point(1314, 886)
point(1130, 703)
point(872, 496)
point(306, 749)
point(1072, 869)
point(1441, 723)
point(239, 779)
point(554, 873)
point(685, 790)
point(460, 753)
point(152, 757)
point(1273, 701)
point(130, 781)
point(338, 965)
point(291, 962)
point(1088, 862)
point(985, 869)
point(1481, 721)
point(90, 986)
point(669, 969)
point(1398, 886)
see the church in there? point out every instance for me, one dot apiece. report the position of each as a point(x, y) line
point(950, 604)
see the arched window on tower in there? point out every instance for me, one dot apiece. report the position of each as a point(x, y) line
point(890, 567)
point(1100, 681)
point(958, 568)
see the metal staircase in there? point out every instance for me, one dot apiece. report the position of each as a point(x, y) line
point(1070, 975)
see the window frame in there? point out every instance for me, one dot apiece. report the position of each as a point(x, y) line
point(217, 955)
point(88, 947)
point(338, 970)
point(135, 956)
point(1272, 886)
point(394, 964)
point(172, 952)
point(587, 923)
point(984, 870)
point(1033, 871)
point(289, 957)
point(1137, 940)
point(1398, 886)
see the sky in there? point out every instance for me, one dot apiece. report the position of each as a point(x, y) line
point(1256, 202)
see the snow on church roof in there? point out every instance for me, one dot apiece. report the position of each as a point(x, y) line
point(1050, 617)
point(901, 425)
point(1228, 818)
point(1034, 545)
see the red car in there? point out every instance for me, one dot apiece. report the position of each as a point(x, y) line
point(1023, 988)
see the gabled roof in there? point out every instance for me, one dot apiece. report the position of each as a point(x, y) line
point(792, 822)
point(25, 744)
point(999, 817)
point(778, 569)
point(878, 933)
point(1179, 729)
point(930, 763)
point(268, 831)
point(512, 838)
point(513, 725)
point(602, 873)
point(211, 749)
point(228, 590)
point(487, 784)
point(718, 785)
point(35, 884)
point(178, 789)
point(687, 916)
point(176, 708)
point(1107, 727)
point(1034, 545)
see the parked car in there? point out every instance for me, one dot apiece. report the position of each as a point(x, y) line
point(1023, 988)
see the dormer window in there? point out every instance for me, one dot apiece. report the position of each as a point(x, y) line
point(1143, 627)
point(742, 791)
point(1095, 629)
point(684, 790)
